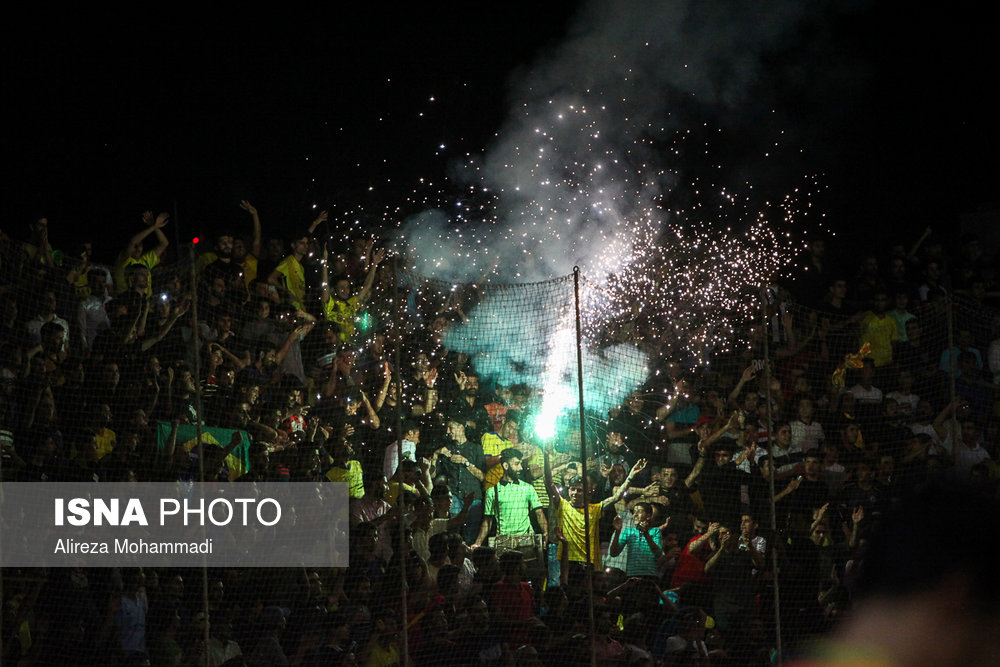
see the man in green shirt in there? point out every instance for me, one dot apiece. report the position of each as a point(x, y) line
point(511, 502)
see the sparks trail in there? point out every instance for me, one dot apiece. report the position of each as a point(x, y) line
point(675, 281)
point(600, 176)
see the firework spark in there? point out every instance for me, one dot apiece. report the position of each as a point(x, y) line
point(597, 173)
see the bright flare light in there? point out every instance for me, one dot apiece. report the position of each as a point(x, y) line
point(558, 394)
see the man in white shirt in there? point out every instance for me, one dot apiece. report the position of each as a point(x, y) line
point(46, 313)
point(864, 392)
point(408, 447)
point(92, 316)
point(968, 451)
point(806, 433)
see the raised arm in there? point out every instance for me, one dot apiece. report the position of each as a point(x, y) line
point(171, 448)
point(946, 412)
point(639, 466)
point(316, 221)
point(550, 486)
point(152, 225)
point(161, 239)
point(748, 374)
point(177, 313)
point(912, 255)
point(255, 242)
point(696, 470)
point(366, 289)
point(713, 528)
point(234, 442)
point(615, 547)
point(732, 423)
point(788, 490)
point(384, 391)
point(723, 547)
point(373, 419)
point(324, 276)
point(297, 333)
point(237, 362)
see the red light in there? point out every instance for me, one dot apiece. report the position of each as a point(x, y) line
point(195, 240)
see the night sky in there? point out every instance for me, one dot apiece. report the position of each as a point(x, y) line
point(103, 124)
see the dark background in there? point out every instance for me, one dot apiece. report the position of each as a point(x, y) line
point(104, 122)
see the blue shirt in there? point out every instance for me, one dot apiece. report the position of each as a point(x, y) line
point(641, 559)
point(685, 415)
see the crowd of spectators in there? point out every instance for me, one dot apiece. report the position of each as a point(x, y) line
point(785, 450)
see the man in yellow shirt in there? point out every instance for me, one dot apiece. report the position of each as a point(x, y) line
point(339, 305)
point(573, 522)
point(133, 253)
point(290, 276)
point(345, 468)
point(495, 442)
point(879, 330)
point(233, 249)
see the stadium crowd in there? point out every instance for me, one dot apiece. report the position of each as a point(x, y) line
point(707, 481)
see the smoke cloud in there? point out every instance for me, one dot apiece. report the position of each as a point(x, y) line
point(582, 170)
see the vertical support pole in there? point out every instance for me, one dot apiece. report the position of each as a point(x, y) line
point(196, 344)
point(397, 321)
point(583, 467)
point(770, 479)
point(953, 353)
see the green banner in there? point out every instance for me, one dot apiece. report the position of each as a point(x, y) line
point(187, 437)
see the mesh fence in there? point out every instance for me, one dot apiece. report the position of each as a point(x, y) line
point(457, 408)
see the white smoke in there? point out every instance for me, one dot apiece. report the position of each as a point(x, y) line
point(582, 169)
point(582, 166)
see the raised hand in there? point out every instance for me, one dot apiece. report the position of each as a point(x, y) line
point(639, 466)
point(178, 312)
point(304, 329)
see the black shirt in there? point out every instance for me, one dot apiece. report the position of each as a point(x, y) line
point(460, 480)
